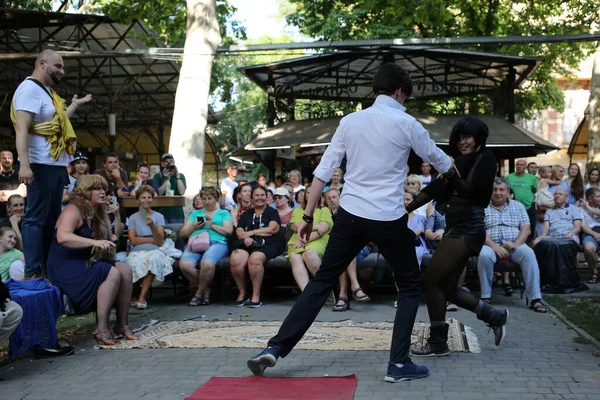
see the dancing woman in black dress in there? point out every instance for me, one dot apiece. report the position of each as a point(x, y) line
point(467, 192)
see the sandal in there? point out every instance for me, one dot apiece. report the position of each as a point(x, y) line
point(537, 306)
point(341, 307)
point(361, 299)
point(104, 337)
point(195, 301)
point(508, 290)
point(124, 331)
point(593, 278)
point(204, 300)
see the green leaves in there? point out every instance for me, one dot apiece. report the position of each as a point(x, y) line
point(387, 19)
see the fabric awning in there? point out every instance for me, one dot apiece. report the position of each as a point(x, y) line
point(506, 139)
point(578, 147)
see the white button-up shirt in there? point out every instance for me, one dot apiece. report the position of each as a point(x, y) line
point(376, 143)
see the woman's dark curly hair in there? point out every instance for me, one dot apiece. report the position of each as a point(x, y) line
point(468, 127)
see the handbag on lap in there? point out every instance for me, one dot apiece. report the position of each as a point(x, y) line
point(199, 243)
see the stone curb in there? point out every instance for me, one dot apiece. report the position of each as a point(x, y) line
point(577, 329)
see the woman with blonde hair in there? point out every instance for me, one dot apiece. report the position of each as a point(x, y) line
point(296, 180)
point(81, 259)
point(413, 183)
point(336, 180)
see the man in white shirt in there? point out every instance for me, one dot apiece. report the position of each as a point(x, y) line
point(376, 143)
point(228, 186)
point(43, 161)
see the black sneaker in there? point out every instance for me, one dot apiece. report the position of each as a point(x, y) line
point(498, 325)
point(263, 360)
point(405, 373)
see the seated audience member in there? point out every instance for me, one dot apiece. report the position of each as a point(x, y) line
point(258, 242)
point(290, 188)
point(416, 223)
point(10, 313)
point(305, 256)
point(270, 201)
point(507, 228)
point(413, 182)
point(261, 180)
point(426, 176)
point(556, 180)
point(332, 201)
point(80, 262)
point(435, 226)
point(281, 199)
point(142, 179)
point(199, 267)
point(9, 180)
point(15, 210)
point(336, 180)
point(557, 246)
point(575, 181)
point(532, 168)
point(593, 178)
point(298, 198)
point(146, 231)
point(228, 185)
point(170, 182)
point(590, 225)
point(115, 176)
point(197, 202)
point(242, 195)
point(79, 166)
point(279, 181)
point(562, 221)
point(12, 261)
point(296, 180)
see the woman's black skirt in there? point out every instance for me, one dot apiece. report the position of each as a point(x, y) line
point(466, 221)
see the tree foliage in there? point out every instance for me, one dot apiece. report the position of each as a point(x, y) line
point(381, 19)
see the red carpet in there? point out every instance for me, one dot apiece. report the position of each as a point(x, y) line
point(261, 388)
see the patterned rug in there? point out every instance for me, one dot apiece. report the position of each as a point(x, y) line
point(345, 335)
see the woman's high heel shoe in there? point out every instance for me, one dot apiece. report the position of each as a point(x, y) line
point(125, 331)
point(104, 337)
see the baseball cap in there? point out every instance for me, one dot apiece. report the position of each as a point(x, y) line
point(166, 155)
point(79, 155)
point(282, 192)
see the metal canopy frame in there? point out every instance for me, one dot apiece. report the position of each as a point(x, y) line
point(138, 89)
point(347, 75)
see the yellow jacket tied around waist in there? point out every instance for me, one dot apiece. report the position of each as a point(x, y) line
point(58, 130)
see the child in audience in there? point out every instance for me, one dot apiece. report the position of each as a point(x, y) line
point(12, 262)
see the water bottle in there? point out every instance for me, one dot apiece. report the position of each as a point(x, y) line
point(168, 190)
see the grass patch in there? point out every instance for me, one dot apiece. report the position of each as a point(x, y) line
point(583, 312)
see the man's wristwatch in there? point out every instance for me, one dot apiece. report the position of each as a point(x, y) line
point(307, 218)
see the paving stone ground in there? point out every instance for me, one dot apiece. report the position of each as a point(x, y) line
point(538, 360)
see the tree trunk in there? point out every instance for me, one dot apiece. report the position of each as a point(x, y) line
point(191, 100)
point(594, 127)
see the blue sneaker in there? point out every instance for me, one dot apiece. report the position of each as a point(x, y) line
point(405, 373)
point(266, 358)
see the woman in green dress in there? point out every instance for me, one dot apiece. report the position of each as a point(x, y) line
point(305, 256)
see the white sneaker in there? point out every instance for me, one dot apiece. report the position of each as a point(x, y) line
point(141, 306)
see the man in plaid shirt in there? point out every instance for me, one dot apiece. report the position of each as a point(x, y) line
point(507, 228)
